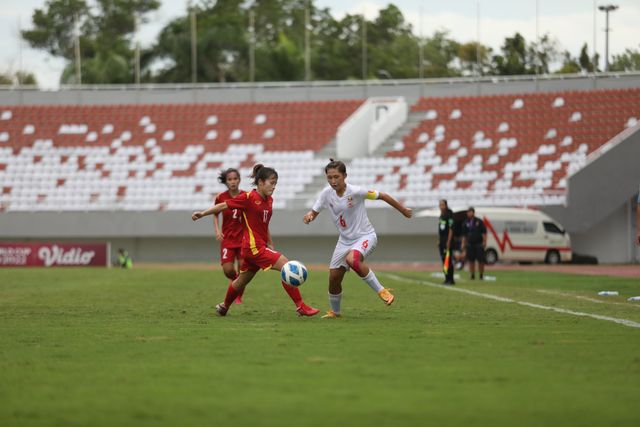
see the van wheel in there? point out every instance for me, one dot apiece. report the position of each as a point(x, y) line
point(553, 257)
point(490, 256)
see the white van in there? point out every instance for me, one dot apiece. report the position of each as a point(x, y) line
point(524, 235)
point(514, 234)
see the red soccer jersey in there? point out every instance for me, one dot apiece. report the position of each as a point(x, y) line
point(232, 227)
point(256, 212)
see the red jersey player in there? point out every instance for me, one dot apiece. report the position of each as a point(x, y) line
point(257, 246)
point(230, 237)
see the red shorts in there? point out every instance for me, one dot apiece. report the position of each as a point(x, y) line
point(263, 260)
point(229, 254)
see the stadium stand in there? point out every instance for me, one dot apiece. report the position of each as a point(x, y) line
point(155, 157)
point(515, 149)
point(498, 150)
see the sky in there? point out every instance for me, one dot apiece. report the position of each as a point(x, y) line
point(571, 22)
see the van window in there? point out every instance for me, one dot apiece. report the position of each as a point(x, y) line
point(550, 227)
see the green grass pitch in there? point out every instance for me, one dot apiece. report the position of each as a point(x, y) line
point(93, 347)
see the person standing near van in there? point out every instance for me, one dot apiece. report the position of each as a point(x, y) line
point(445, 238)
point(474, 242)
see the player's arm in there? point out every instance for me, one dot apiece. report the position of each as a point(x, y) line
point(213, 210)
point(310, 216)
point(449, 238)
point(407, 212)
point(216, 225)
point(269, 240)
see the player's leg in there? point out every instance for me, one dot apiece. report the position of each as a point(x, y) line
point(471, 258)
point(335, 291)
point(228, 256)
point(356, 260)
point(229, 270)
point(481, 261)
point(235, 288)
point(294, 293)
point(337, 268)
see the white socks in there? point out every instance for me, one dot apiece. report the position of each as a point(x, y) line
point(373, 282)
point(334, 302)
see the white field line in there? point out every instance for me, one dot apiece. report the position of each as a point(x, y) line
point(582, 297)
point(625, 322)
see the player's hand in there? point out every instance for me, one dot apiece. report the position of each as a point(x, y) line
point(638, 239)
point(307, 218)
point(196, 216)
point(219, 236)
point(407, 212)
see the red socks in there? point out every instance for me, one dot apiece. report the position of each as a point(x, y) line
point(232, 280)
point(294, 294)
point(232, 294)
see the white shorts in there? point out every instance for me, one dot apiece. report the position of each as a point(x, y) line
point(365, 245)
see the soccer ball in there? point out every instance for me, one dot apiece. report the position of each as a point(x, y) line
point(294, 273)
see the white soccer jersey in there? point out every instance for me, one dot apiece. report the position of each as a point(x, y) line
point(348, 212)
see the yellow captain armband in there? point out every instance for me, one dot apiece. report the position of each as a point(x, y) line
point(372, 195)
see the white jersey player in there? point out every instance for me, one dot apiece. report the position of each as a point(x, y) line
point(357, 238)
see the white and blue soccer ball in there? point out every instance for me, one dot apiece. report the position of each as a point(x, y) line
point(294, 273)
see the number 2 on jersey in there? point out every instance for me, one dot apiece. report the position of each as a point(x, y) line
point(343, 223)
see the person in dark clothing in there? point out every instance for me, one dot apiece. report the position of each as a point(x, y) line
point(445, 238)
point(474, 241)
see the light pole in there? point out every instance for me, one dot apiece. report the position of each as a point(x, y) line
point(606, 9)
point(194, 49)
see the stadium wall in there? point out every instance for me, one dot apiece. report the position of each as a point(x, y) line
point(172, 236)
point(314, 91)
point(601, 203)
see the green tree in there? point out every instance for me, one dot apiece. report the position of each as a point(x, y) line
point(468, 55)
point(336, 52)
point(221, 42)
point(6, 79)
point(18, 78)
point(392, 47)
point(587, 64)
point(628, 61)
point(542, 54)
point(106, 28)
point(569, 64)
point(513, 60)
point(440, 52)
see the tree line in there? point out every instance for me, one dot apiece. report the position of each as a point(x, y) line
point(227, 45)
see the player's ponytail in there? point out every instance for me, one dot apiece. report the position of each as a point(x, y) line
point(222, 178)
point(262, 173)
point(336, 164)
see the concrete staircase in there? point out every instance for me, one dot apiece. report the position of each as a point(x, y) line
point(413, 120)
point(329, 151)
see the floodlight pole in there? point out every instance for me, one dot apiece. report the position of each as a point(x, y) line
point(478, 68)
point(364, 48)
point(194, 51)
point(606, 9)
point(252, 41)
point(77, 50)
point(19, 76)
point(137, 51)
point(307, 50)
